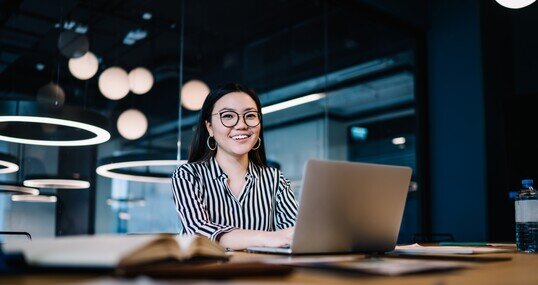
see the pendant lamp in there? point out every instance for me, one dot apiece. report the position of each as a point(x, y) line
point(14, 188)
point(8, 163)
point(30, 123)
point(55, 182)
point(34, 198)
point(127, 167)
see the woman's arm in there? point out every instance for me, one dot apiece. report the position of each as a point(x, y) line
point(241, 239)
point(193, 214)
point(286, 204)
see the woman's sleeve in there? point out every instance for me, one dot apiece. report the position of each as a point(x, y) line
point(286, 205)
point(190, 208)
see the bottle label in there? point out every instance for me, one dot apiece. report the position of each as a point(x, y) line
point(526, 211)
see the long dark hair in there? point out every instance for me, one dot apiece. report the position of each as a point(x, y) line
point(198, 150)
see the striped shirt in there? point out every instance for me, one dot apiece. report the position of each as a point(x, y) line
point(206, 205)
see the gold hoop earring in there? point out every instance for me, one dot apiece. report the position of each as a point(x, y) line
point(259, 144)
point(209, 145)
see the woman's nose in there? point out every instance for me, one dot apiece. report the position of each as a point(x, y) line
point(241, 124)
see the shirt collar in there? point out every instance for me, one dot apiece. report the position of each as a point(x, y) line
point(252, 170)
point(216, 171)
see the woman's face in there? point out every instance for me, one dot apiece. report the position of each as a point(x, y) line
point(235, 140)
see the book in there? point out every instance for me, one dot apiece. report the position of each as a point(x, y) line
point(115, 251)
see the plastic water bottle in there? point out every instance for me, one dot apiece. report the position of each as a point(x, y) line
point(527, 218)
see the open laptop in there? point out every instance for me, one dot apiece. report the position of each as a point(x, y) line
point(348, 207)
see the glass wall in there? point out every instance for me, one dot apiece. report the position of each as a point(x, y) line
point(361, 67)
point(353, 65)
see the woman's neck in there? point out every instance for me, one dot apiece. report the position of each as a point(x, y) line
point(232, 165)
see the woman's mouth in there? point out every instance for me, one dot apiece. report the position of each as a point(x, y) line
point(240, 137)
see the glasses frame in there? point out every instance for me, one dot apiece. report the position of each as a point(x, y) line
point(239, 115)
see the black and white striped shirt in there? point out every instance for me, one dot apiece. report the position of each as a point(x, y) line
point(206, 205)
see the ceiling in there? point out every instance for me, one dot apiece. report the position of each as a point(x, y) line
point(267, 45)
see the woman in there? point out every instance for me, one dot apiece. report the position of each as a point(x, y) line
point(226, 192)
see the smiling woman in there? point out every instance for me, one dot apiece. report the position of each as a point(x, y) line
point(226, 191)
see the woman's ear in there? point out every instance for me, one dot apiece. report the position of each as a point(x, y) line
point(209, 128)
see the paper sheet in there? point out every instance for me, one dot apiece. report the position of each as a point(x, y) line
point(418, 249)
point(394, 267)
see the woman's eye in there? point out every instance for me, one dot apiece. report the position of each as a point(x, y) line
point(227, 116)
point(251, 116)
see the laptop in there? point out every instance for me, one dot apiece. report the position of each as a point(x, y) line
point(348, 207)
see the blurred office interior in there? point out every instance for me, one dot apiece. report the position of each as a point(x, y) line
point(445, 87)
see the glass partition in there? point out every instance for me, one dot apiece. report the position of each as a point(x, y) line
point(337, 80)
point(356, 70)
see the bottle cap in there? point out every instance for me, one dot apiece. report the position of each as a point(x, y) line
point(527, 182)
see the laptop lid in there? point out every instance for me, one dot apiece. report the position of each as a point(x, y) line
point(350, 207)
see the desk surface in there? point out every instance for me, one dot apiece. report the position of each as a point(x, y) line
point(522, 269)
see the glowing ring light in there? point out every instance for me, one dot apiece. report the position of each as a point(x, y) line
point(8, 188)
point(115, 167)
point(57, 183)
point(69, 116)
point(9, 164)
point(34, 198)
point(127, 202)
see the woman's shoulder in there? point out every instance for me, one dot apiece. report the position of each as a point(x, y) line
point(191, 168)
point(263, 170)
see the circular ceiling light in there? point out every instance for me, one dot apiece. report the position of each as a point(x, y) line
point(56, 183)
point(34, 198)
point(13, 188)
point(114, 83)
point(193, 94)
point(115, 202)
point(73, 45)
point(118, 167)
point(140, 80)
point(51, 95)
point(515, 4)
point(132, 124)
point(84, 67)
point(24, 123)
point(8, 164)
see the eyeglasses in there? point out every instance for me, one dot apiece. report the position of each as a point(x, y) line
point(231, 118)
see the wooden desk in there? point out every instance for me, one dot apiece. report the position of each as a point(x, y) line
point(522, 269)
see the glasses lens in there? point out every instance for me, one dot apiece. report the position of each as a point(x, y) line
point(229, 119)
point(252, 119)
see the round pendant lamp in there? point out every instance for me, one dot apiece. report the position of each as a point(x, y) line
point(121, 167)
point(30, 123)
point(34, 198)
point(515, 4)
point(73, 45)
point(51, 95)
point(8, 163)
point(55, 182)
point(132, 124)
point(84, 67)
point(140, 80)
point(193, 94)
point(14, 188)
point(114, 83)
point(115, 202)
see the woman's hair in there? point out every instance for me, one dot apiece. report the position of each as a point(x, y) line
point(198, 150)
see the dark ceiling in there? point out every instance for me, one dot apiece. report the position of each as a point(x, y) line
point(264, 44)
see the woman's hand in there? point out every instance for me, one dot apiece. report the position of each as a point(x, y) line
point(280, 238)
point(241, 239)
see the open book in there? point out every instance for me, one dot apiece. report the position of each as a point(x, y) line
point(114, 251)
